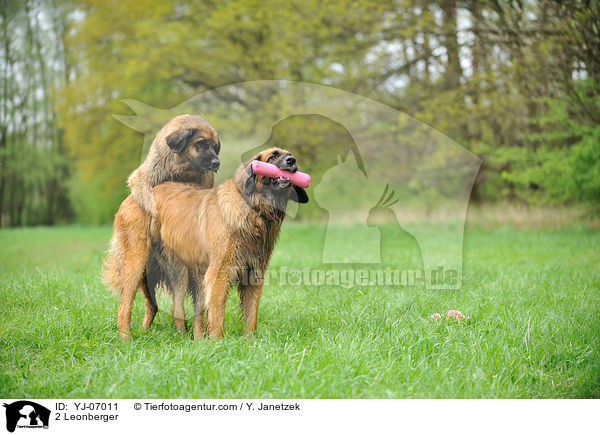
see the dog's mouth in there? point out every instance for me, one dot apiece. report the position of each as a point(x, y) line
point(206, 166)
point(280, 182)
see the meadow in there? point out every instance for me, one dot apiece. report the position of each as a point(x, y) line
point(532, 297)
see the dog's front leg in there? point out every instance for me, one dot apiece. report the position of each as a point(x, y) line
point(199, 296)
point(249, 299)
point(216, 284)
point(141, 191)
point(199, 312)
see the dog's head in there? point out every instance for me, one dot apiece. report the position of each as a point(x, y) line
point(270, 192)
point(191, 140)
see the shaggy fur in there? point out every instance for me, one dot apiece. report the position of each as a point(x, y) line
point(184, 150)
point(173, 158)
point(213, 239)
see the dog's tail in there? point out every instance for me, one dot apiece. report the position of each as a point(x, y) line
point(112, 271)
point(110, 267)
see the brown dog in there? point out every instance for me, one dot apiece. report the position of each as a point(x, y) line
point(184, 150)
point(222, 237)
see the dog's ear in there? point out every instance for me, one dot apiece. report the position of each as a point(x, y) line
point(299, 195)
point(180, 140)
point(250, 185)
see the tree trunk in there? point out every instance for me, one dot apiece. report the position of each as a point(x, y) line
point(453, 69)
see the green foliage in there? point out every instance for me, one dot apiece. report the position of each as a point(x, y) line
point(92, 202)
point(585, 164)
point(561, 165)
point(515, 82)
point(36, 193)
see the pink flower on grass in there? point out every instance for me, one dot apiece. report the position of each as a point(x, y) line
point(451, 314)
point(454, 314)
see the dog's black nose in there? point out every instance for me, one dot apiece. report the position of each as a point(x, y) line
point(214, 164)
point(290, 162)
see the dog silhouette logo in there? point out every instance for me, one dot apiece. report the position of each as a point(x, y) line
point(26, 414)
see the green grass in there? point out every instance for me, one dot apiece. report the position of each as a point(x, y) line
point(533, 298)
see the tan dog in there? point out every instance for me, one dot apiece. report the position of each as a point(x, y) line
point(184, 150)
point(222, 237)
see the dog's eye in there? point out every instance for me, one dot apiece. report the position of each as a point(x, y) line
point(203, 143)
point(273, 157)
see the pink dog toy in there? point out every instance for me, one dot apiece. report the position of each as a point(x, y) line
point(298, 178)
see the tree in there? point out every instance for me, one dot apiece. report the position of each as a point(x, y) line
point(515, 82)
point(34, 169)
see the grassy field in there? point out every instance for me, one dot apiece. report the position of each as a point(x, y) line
point(533, 298)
